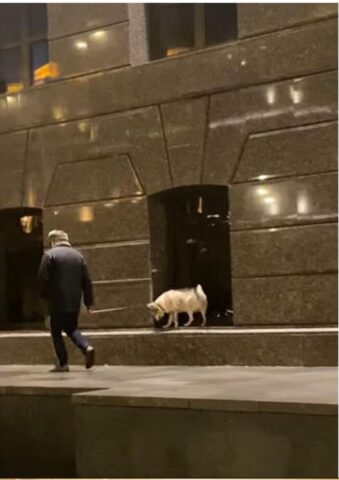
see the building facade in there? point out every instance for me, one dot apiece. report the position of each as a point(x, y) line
point(172, 161)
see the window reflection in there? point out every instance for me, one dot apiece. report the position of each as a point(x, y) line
point(176, 28)
point(171, 29)
point(39, 57)
point(220, 22)
point(10, 65)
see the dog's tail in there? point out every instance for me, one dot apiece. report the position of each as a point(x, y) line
point(200, 291)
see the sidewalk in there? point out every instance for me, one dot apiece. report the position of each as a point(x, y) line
point(315, 386)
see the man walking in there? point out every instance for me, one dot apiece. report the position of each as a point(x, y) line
point(63, 279)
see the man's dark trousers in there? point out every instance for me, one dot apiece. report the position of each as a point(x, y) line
point(66, 322)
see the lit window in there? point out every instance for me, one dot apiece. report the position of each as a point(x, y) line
point(176, 28)
point(23, 45)
point(39, 59)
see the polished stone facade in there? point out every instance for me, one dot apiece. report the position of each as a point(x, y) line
point(258, 115)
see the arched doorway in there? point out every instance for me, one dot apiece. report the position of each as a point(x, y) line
point(21, 248)
point(190, 244)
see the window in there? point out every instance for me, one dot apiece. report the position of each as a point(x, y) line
point(176, 28)
point(23, 45)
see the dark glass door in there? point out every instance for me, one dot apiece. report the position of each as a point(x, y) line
point(21, 249)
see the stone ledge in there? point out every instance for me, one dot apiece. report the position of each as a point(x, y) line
point(110, 400)
point(238, 347)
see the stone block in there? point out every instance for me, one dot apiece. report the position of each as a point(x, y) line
point(92, 180)
point(295, 151)
point(284, 251)
point(121, 294)
point(67, 19)
point(91, 51)
point(258, 18)
point(12, 152)
point(320, 349)
point(288, 300)
point(38, 436)
point(118, 262)
point(226, 444)
point(11, 189)
point(185, 129)
point(102, 222)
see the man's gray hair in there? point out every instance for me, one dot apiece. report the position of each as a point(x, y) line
point(58, 236)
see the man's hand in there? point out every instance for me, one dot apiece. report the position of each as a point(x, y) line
point(90, 311)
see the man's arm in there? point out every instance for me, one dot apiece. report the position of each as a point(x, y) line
point(44, 276)
point(87, 288)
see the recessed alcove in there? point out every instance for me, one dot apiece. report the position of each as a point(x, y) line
point(190, 245)
point(21, 248)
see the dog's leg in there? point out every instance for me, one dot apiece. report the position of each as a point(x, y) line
point(203, 313)
point(175, 318)
point(190, 319)
point(170, 319)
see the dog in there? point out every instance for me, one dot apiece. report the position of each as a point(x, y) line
point(187, 300)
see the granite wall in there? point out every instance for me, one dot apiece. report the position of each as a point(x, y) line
point(42, 439)
point(196, 442)
point(258, 114)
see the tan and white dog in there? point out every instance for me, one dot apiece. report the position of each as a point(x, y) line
point(173, 302)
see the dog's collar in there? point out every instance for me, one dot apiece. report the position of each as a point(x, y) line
point(161, 308)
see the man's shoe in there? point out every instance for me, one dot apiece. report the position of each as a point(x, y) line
point(59, 368)
point(90, 357)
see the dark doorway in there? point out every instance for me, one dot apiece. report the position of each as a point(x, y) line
point(21, 248)
point(190, 245)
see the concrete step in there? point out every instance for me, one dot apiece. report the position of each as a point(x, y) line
point(208, 346)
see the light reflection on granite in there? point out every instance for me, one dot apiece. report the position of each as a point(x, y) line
point(235, 115)
point(87, 52)
point(292, 151)
point(298, 200)
point(120, 220)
